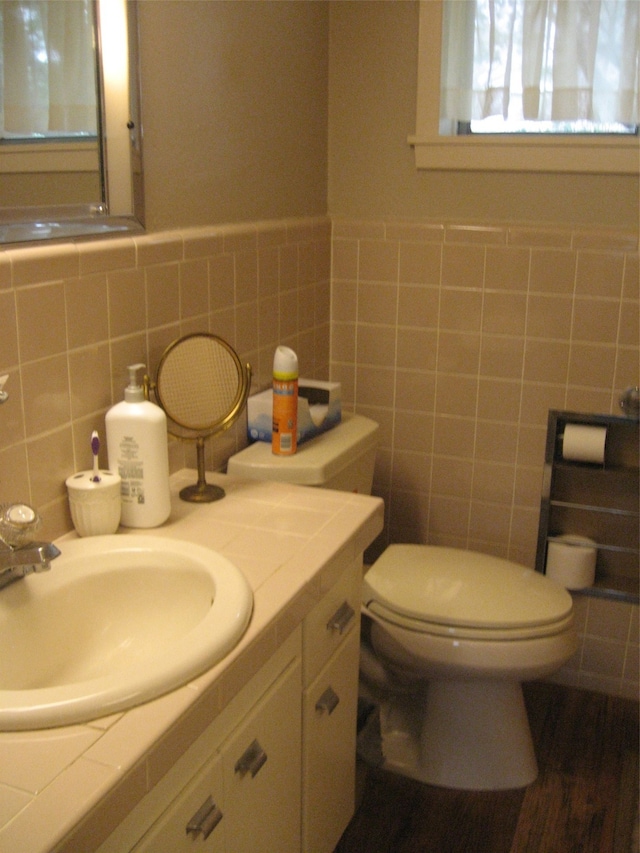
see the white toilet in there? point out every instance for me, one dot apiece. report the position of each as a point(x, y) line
point(449, 634)
point(454, 633)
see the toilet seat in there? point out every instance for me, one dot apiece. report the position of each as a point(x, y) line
point(460, 594)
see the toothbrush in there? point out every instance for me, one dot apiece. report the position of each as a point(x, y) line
point(95, 448)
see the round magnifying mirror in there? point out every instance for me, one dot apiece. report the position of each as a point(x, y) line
point(202, 386)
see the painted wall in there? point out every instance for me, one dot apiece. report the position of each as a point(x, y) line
point(234, 110)
point(372, 98)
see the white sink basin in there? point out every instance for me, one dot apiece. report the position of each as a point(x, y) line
point(117, 621)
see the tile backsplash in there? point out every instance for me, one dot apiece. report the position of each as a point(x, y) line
point(74, 315)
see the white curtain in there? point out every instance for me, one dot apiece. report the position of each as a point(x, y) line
point(544, 60)
point(47, 68)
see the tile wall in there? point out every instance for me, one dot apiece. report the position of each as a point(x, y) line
point(455, 339)
point(458, 339)
point(74, 315)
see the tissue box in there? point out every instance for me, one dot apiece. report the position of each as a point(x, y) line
point(319, 409)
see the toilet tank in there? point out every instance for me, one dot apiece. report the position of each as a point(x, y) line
point(341, 458)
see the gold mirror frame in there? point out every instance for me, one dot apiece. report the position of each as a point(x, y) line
point(202, 386)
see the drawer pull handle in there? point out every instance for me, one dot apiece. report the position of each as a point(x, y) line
point(328, 702)
point(252, 760)
point(205, 819)
point(341, 618)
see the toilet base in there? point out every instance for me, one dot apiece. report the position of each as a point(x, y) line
point(470, 735)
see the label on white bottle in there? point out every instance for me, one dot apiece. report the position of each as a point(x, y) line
point(131, 470)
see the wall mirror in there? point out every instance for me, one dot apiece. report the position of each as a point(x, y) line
point(86, 179)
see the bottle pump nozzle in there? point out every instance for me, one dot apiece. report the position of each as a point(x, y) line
point(134, 392)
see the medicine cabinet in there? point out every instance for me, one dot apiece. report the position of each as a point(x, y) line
point(596, 500)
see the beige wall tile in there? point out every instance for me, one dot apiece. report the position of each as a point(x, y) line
point(374, 385)
point(51, 461)
point(496, 442)
point(415, 390)
point(42, 321)
point(592, 365)
point(9, 336)
point(420, 263)
point(631, 281)
point(417, 349)
point(221, 281)
point(552, 271)
point(127, 302)
point(344, 301)
point(452, 477)
point(14, 474)
point(507, 269)
point(194, 288)
point(458, 352)
point(461, 310)
point(246, 269)
point(595, 320)
point(412, 432)
point(113, 254)
point(45, 385)
point(549, 316)
point(377, 303)
point(504, 313)
point(268, 271)
point(89, 380)
point(546, 361)
point(418, 305)
point(502, 357)
point(376, 345)
point(456, 394)
point(38, 264)
point(378, 261)
point(454, 436)
point(345, 259)
point(493, 482)
point(499, 400)
point(87, 310)
point(163, 294)
point(462, 266)
point(600, 274)
point(629, 330)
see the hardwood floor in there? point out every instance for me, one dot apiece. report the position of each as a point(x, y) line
point(585, 799)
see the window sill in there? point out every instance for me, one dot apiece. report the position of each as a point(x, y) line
point(519, 154)
point(73, 156)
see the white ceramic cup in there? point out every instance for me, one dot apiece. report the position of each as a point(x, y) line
point(95, 506)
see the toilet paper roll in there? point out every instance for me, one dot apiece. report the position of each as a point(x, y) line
point(571, 561)
point(582, 443)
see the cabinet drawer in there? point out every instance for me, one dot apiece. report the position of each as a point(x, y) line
point(330, 621)
point(329, 751)
point(261, 772)
point(169, 833)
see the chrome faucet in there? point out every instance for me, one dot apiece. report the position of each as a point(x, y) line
point(19, 554)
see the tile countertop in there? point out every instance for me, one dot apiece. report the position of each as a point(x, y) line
point(66, 789)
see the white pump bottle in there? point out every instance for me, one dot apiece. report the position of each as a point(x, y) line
point(137, 447)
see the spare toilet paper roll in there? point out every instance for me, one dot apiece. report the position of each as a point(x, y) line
point(583, 443)
point(571, 561)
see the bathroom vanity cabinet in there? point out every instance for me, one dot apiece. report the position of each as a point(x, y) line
point(257, 753)
point(246, 794)
point(275, 771)
point(598, 501)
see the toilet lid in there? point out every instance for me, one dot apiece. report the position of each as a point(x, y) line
point(454, 588)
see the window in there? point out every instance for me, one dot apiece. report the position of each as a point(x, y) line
point(496, 95)
point(47, 70)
